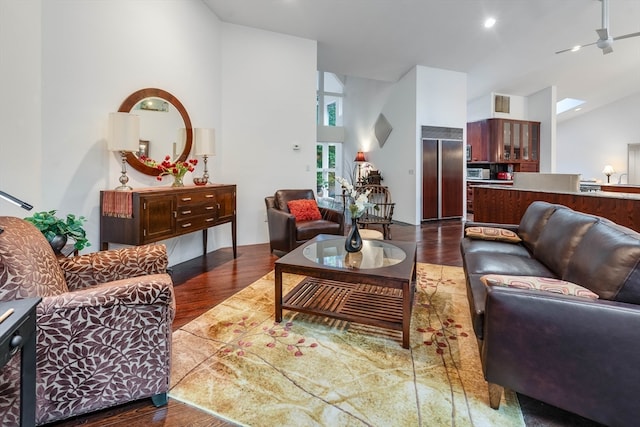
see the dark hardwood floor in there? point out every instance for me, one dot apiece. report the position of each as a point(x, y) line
point(203, 282)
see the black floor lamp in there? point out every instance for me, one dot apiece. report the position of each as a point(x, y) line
point(9, 198)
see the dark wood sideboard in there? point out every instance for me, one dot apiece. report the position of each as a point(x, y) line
point(153, 214)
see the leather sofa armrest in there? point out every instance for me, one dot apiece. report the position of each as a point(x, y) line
point(574, 353)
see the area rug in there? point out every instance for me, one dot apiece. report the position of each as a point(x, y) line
point(235, 362)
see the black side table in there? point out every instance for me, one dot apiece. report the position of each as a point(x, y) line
point(18, 331)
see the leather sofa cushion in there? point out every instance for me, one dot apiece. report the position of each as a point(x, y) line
point(606, 261)
point(533, 221)
point(478, 246)
point(502, 263)
point(306, 230)
point(559, 238)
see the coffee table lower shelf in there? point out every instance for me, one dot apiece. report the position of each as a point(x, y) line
point(367, 304)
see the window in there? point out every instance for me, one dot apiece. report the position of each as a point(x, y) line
point(328, 158)
point(329, 98)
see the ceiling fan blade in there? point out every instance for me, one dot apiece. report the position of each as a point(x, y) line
point(603, 33)
point(627, 36)
point(574, 48)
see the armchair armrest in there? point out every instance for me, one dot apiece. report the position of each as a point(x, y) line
point(282, 227)
point(574, 353)
point(153, 289)
point(106, 266)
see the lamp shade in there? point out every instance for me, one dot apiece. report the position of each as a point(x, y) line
point(205, 141)
point(124, 132)
point(608, 170)
point(360, 157)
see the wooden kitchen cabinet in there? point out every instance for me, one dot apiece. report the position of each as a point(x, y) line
point(506, 141)
point(153, 214)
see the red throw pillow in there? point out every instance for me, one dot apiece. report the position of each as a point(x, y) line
point(304, 210)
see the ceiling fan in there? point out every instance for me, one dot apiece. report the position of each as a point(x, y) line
point(605, 41)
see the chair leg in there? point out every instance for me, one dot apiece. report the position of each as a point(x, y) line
point(495, 394)
point(159, 399)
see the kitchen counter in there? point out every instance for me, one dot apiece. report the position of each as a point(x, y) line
point(506, 205)
point(489, 181)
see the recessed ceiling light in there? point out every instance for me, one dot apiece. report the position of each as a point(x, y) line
point(489, 22)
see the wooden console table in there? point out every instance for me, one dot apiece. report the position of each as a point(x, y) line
point(152, 214)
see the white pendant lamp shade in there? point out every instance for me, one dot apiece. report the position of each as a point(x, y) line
point(124, 132)
point(205, 140)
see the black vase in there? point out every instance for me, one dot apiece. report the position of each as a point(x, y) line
point(353, 242)
point(58, 242)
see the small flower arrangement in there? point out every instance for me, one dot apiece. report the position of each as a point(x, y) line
point(167, 167)
point(358, 201)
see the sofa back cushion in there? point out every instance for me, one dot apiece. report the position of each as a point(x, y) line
point(559, 238)
point(606, 261)
point(28, 266)
point(283, 197)
point(533, 221)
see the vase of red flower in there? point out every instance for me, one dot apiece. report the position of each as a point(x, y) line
point(176, 169)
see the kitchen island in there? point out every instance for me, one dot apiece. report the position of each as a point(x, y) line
point(506, 205)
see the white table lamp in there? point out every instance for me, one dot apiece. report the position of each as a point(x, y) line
point(123, 136)
point(205, 143)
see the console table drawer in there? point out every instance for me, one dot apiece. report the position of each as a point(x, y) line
point(195, 223)
point(190, 211)
point(193, 198)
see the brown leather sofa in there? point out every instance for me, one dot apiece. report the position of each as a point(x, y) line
point(285, 234)
point(575, 353)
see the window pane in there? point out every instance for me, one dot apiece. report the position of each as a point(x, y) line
point(332, 156)
point(333, 111)
point(319, 156)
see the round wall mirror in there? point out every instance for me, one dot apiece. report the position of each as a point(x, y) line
point(165, 127)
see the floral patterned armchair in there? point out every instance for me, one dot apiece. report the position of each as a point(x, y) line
point(103, 326)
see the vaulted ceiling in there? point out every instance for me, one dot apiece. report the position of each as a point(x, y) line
point(383, 39)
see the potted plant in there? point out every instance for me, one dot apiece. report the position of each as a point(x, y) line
point(57, 230)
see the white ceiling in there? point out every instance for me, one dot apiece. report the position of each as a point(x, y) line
point(383, 39)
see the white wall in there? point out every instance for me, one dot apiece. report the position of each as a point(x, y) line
point(598, 138)
point(78, 60)
point(483, 108)
point(268, 97)
point(20, 86)
point(542, 108)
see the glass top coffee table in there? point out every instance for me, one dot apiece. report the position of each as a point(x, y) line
point(374, 286)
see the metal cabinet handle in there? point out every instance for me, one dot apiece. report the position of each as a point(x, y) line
point(186, 199)
point(186, 225)
point(185, 212)
point(208, 196)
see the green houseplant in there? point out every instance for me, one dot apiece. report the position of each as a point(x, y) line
point(53, 227)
